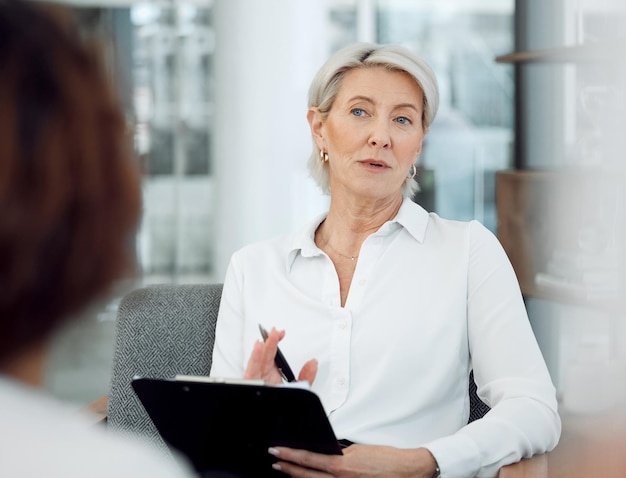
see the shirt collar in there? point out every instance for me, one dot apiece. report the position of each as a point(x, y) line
point(414, 218)
point(411, 216)
point(303, 242)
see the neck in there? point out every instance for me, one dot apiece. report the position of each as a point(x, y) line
point(361, 218)
point(348, 224)
point(27, 366)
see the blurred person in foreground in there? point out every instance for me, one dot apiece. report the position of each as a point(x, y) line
point(384, 307)
point(69, 206)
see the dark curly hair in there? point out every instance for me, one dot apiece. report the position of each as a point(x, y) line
point(69, 187)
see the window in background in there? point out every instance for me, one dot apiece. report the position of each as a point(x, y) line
point(472, 135)
point(173, 46)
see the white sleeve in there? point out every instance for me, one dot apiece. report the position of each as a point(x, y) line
point(228, 360)
point(509, 370)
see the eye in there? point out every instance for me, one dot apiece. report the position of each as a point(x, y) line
point(404, 120)
point(357, 111)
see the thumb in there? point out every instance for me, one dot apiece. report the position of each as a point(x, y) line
point(309, 371)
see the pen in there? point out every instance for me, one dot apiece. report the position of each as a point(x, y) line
point(279, 360)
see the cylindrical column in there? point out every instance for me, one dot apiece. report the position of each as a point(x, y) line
point(266, 55)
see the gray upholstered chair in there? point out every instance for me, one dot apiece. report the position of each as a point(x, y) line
point(166, 330)
point(161, 331)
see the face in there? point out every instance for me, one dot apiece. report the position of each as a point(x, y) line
point(373, 132)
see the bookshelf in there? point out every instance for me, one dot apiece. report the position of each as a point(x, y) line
point(589, 53)
point(547, 218)
point(571, 258)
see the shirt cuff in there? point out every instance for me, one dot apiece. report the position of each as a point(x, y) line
point(457, 456)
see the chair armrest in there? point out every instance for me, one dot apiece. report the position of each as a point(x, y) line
point(535, 467)
point(590, 445)
point(98, 409)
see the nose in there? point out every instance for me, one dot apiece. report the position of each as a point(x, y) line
point(379, 137)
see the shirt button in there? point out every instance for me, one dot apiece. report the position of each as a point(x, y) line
point(342, 324)
point(341, 381)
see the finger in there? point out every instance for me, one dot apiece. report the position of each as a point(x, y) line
point(281, 334)
point(296, 471)
point(269, 351)
point(254, 369)
point(271, 348)
point(275, 336)
point(308, 372)
point(304, 460)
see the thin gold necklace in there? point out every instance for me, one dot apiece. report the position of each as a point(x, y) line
point(352, 258)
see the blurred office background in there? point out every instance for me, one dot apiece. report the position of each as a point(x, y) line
point(215, 91)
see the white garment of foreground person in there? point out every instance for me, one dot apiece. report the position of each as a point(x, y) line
point(41, 437)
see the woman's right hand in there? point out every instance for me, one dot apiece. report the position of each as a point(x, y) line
point(261, 362)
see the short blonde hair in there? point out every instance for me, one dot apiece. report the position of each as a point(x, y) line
point(327, 82)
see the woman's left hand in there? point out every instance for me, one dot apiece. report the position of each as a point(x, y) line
point(356, 461)
point(261, 364)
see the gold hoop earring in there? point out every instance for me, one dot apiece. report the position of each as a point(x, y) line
point(411, 176)
point(324, 156)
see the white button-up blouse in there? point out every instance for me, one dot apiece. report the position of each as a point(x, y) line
point(430, 300)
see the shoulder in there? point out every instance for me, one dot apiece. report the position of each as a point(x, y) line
point(117, 455)
point(61, 441)
point(128, 456)
point(474, 238)
point(472, 230)
point(452, 229)
point(431, 229)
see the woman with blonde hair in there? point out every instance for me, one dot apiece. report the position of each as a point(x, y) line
point(384, 307)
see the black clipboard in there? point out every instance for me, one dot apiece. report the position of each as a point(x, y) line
point(228, 427)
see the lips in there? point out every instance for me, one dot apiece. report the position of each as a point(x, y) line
point(374, 163)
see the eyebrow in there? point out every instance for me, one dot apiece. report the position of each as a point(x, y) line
point(369, 100)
